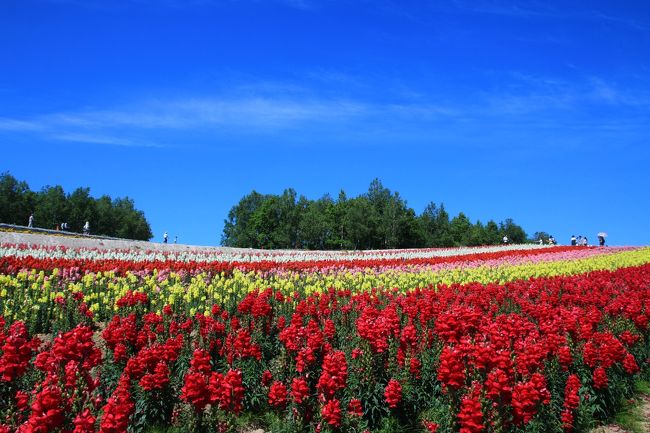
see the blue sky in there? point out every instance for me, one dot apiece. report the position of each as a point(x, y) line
point(538, 110)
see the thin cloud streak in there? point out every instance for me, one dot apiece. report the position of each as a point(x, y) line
point(536, 102)
point(7, 124)
point(101, 139)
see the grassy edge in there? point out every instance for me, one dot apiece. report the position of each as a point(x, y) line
point(631, 416)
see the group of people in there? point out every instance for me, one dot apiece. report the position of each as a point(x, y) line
point(583, 241)
point(551, 240)
point(63, 226)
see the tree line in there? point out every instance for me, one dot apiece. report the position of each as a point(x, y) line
point(377, 219)
point(52, 206)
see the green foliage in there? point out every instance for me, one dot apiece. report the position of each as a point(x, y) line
point(378, 219)
point(631, 416)
point(52, 206)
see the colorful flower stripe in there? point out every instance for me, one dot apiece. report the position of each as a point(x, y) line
point(30, 296)
point(248, 255)
point(508, 260)
point(18, 261)
point(544, 354)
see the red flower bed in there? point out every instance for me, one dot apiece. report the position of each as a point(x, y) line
point(539, 354)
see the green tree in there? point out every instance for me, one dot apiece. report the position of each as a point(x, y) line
point(16, 200)
point(443, 236)
point(338, 240)
point(515, 233)
point(82, 208)
point(492, 234)
point(358, 231)
point(51, 207)
point(238, 230)
point(478, 235)
point(316, 226)
point(377, 219)
point(131, 223)
point(460, 229)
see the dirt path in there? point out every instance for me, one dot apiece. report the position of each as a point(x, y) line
point(103, 244)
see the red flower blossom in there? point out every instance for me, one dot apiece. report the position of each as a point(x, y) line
point(414, 367)
point(332, 413)
point(564, 357)
point(118, 409)
point(84, 422)
point(431, 427)
point(157, 380)
point(470, 416)
point(334, 375)
point(600, 378)
point(526, 398)
point(571, 401)
point(278, 395)
point(196, 391)
point(630, 365)
point(16, 351)
point(267, 377)
point(354, 407)
point(452, 371)
point(299, 390)
point(22, 400)
point(393, 393)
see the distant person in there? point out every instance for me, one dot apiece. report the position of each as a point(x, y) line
point(165, 238)
point(87, 228)
point(585, 242)
point(30, 224)
point(175, 239)
point(505, 240)
point(601, 241)
point(551, 240)
point(541, 241)
point(574, 240)
point(580, 240)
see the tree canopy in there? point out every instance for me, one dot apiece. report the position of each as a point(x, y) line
point(51, 207)
point(377, 219)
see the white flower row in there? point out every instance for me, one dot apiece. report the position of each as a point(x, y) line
point(245, 255)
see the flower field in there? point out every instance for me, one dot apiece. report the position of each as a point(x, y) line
point(492, 339)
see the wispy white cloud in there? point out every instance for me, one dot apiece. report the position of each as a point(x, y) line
point(101, 139)
point(210, 112)
point(504, 7)
point(525, 101)
point(258, 115)
point(537, 9)
point(7, 124)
